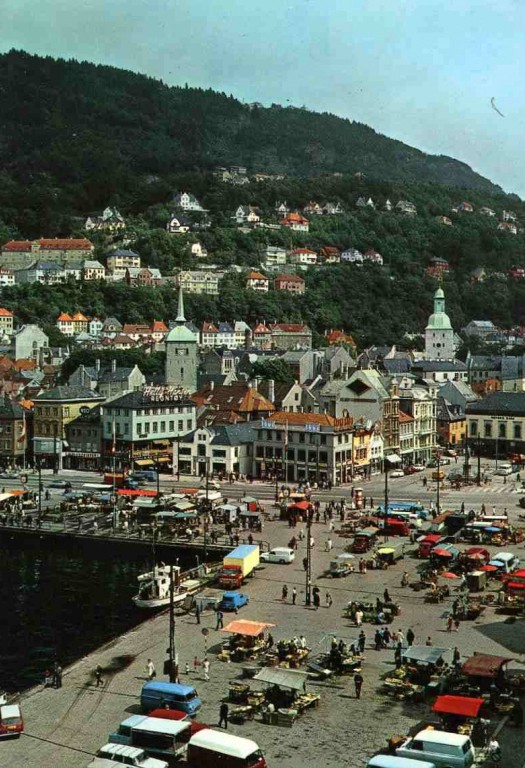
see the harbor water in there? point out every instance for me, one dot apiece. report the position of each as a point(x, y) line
point(58, 605)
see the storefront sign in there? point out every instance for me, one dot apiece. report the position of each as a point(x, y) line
point(163, 394)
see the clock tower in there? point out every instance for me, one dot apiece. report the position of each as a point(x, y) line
point(181, 353)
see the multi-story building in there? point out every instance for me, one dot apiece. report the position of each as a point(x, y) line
point(18, 254)
point(93, 270)
point(451, 423)
point(13, 431)
point(119, 260)
point(406, 437)
point(290, 284)
point(274, 256)
point(29, 343)
point(286, 336)
point(304, 446)
point(222, 449)
point(186, 201)
point(6, 321)
point(7, 276)
point(143, 276)
point(296, 222)
point(303, 256)
point(110, 221)
point(143, 425)
point(200, 282)
point(54, 409)
point(496, 424)
point(420, 403)
point(84, 441)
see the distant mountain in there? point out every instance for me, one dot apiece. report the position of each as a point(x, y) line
point(74, 135)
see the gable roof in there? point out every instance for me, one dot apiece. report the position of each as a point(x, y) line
point(238, 397)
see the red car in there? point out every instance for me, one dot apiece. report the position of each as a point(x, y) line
point(410, 470)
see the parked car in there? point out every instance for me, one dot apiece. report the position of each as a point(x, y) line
point(419, 467)
point(504, 469)
point(232, 601)
point(443, 461)
point(9, 475)
point(397, 473)
point(455, 475)
point(278, 555)
point(410, 470)
point(113, 754)
point(451, 452)
point(59, 484)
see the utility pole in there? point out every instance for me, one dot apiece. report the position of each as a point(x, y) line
point(308, 585)
point(479, 460)
point(206, 509)
point(386, 467)
point(173, 665)
point(40, 489)
point(438, 457)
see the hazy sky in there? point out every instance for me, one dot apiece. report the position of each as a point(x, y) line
point(422, 71)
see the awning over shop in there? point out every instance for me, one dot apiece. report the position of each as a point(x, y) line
point(144, 462)
point(305, 505)
point(244, 627)
point(515, 584)
point(184, 506)
point(284, 678)
point(458, 705)
point(393, 458)
point(424, 654)
point(135, 492)
point(188, 491)
point(145, 503)
point(484, 665)
point(163, 460)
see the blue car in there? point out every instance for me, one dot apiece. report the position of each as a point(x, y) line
point(232, 601)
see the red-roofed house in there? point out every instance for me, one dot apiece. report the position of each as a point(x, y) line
point(296, 222)
point(258, 282)
point(209, 333)
point(238, 398)
point(262, 337)
point(287, 336)
point(65, 324)
point(7, 276)
point(290, 283)
point(374, 257)
point(508, 226)
point(338, 338)
point(6, 321)
point(158, 330)
point(465, 207)
point(80, 323)
point(330, 255)
point(17, 254)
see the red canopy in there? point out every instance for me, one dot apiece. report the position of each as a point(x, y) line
point(441, 552)
point(135, 492)
point(488, 568)
point(458, 705)
point(301, 505)
point(515, 585)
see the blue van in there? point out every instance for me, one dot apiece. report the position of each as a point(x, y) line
point(157, 694)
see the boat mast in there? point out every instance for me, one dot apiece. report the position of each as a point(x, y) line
point(173, 658)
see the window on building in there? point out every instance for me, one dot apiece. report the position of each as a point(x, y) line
point(180, 425)
point(517, 431)
point(189, 424)
point(473, 429)
point(290, 454)
point(301, 455)
point(162, 426)
point(312, 457)
point(322, 439)
point(323, 457)
point(171, 426)
point(108, 427)
point(145, 427)
point(301, 437)
point(502, 430)
point(487, 428)
point(155, 427)
point(66, 411)
point(126, 428)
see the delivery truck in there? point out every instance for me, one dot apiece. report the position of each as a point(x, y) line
point(238, 565)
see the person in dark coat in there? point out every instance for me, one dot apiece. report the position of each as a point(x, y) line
point(410, 637)
point(223, 715)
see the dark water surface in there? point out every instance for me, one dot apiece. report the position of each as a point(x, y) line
point(55, 605)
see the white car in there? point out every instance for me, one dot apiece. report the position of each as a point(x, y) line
point(419, 467)
point(278, 555)
point(112, 754)
point(397, 473)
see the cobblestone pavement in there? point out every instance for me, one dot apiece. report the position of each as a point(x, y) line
point(65, 727)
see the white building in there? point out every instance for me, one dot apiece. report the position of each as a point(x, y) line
point(439, 334)
point(187, 202)
point(352, 256)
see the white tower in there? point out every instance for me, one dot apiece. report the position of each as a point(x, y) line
point(439, 334)
point(181, 353)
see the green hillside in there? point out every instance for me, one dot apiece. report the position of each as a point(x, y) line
point(75, 136)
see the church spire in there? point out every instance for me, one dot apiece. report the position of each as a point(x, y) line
point(180, 319)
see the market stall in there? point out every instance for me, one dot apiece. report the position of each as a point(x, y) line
point(463, 715)
point(286, 693)
point(247, 642)
point(484, 670)
point(424, 670)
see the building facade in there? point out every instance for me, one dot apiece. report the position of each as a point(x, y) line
point(439, 334)
point(181, 353)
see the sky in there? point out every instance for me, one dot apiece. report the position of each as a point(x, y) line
point(422, 71)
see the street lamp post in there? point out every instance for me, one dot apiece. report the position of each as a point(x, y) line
point(39, 489)
point(479, 461)
point(438, 458)
point(386, 467)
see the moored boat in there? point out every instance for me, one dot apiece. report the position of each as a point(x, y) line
point(155, 586)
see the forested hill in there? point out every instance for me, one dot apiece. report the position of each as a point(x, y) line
point(75, 135)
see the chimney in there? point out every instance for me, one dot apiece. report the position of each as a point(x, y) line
point(97, 364)
point(113, 365)
point(271, 391)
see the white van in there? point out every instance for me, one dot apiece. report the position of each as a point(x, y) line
point(391, 761)
point(278, 555)
point(505, 562)
point(504, 469)
point(443, 749)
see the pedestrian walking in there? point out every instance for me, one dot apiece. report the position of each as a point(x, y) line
point(187, 668)
point(284, 593)
point(378, 640)
point(400, 637)
point(410, 637)
point(220, 620)
point(316, 597)
point(358, 617)
point(386, 596)
point(150, 670)
point(57, 675)
point(450, 623)
point(398, 653)
point(456, 625)
point(305, 563)
point(206, 669)
point(456, 657)
point(223, 715)
point(98, 676)
point(328, 600)
point(358, 682)
point(386, 637)
point(361, 641)
point(196, 663)
point(328, 545)
point(428, 641)
point(294, 595)
point(197, 614)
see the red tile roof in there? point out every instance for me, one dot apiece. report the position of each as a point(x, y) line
point(159, 326)
point(289, 279)
point(290, 327)
point(304, 250)
point(404, 417)
point(5, 312)
point(299, 419)
point(64, 318)
point(261, 328)
point(238, 397)
point(257, 276)
point(294, 218)
point(79, 317)
point(57, 244)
